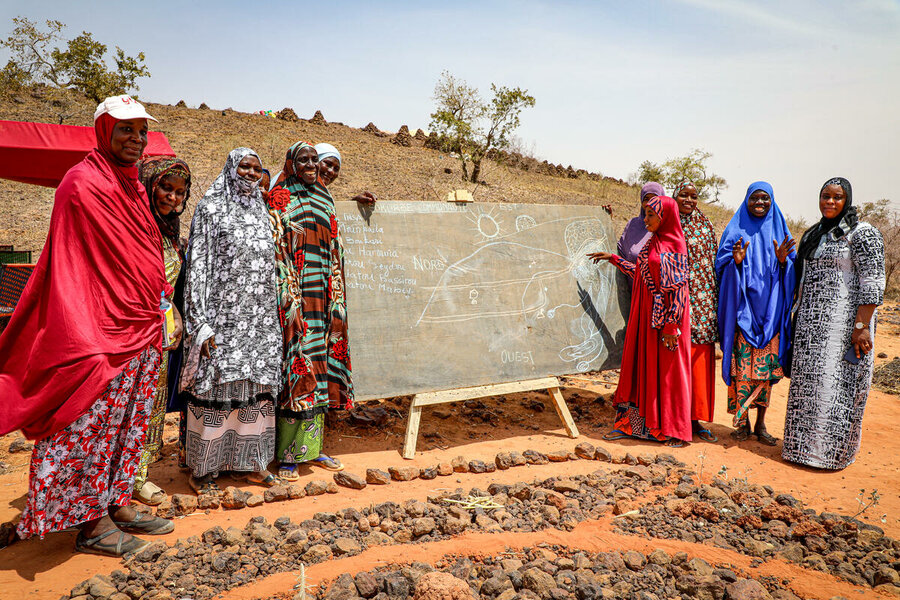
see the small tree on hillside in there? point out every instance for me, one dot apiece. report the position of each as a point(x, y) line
point(471, 127)
point(80, 66)
point(887, 219)
point(675, 170)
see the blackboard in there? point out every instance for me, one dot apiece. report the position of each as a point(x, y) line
point(446, 295)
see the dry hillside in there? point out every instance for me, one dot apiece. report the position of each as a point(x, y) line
point(203, 137)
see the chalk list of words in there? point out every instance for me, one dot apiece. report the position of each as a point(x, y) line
point(371, 265)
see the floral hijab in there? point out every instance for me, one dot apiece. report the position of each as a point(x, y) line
point(152, 170)
point(231, 186)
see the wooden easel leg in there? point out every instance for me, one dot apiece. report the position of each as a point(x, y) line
point(562, 410)
point(412, 428)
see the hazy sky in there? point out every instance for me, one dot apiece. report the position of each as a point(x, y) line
point(789, 91)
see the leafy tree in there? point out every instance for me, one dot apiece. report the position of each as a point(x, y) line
point(471, 127)
point(887, 219)
point(675, 170)
point(80, 66)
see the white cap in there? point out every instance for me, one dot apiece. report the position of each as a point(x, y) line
point(122, 108)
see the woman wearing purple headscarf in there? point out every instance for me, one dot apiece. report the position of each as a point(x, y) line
point(841, 282)
point(635, 234)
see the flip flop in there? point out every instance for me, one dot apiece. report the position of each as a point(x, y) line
point(288, 472)
point(327, 463)
point(150, 494)
point(151, 525)
point(766, 438)
point(706, 435)
point(615, 434)
point(116, 550)
point(267, 480)
point(674, 443)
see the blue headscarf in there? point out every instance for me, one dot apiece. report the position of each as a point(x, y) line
point(756, 295)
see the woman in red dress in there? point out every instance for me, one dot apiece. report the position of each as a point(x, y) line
point(653, 400)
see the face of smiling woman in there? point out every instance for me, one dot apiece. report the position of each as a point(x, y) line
point(329, 168)
point(306, 165)
point(129, 138)
point(759, 203)
point(250, 168)
point(832, 200)
point(169, 194)
point(687, 199)
point(651, 219)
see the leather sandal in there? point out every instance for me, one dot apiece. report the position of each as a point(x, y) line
point(150, 494)
point(118, 549)
point(146, 524)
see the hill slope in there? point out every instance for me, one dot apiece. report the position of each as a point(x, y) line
point(204, 137)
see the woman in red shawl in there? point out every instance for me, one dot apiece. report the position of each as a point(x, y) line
point(80, 358)
point(653, 400)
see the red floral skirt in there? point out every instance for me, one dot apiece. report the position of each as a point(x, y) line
point(77, 473)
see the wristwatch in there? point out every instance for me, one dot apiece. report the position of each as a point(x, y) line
point(861, 325)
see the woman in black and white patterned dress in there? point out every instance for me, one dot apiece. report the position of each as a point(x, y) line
point(841, 275)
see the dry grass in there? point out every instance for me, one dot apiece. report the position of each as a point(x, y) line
point(204, 137)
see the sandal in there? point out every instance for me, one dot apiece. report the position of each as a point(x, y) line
point(741, 434)
point(288, 472)
point(150, 494)
point(146, 524)
point(615, 434)
point(118, 549)
point(327, 463)
point(706, 435)
point(204, 485)
point(766, 438)
point(674, 443)
point(258, 478)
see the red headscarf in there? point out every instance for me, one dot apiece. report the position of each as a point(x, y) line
point(92, 303)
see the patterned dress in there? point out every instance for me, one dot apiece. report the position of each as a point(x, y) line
point(753, 373)
point(827, 397)
point(79, 472)
point(154, 440)
point(230, 295)
point(317, 371)
point(702, 245)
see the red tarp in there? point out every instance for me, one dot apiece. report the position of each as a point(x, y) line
point(41, 153)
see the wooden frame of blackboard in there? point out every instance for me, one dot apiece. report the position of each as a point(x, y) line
point(551, 384)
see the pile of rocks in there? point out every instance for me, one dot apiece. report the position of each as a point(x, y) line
point(318, 119)
point(222, 559)
point(420, 135)
point(557, 574)
point(753, 520)
point(181, 104)
point(288, 114)
point(402, 138)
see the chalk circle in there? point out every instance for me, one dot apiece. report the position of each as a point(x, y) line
point(488, 226)
point(524, 222)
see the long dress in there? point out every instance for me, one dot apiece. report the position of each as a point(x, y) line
point(317, 369)
point(827, 397)
point(153, 443)
point(654, 392)
point(230, 295)
point(702, 245)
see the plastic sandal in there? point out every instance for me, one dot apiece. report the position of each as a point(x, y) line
point(204, 485)
point(288, 472)
point(258, 478)
point(615, 434)
point(150, 494)
point(674, 443)
point(118, 549)
point(146, 524)
point(706, 435)
point(326, 462)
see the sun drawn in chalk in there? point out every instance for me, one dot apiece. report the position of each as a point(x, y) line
point(487, 224)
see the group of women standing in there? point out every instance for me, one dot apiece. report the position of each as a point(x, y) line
point(265, 354)
point(776, 311)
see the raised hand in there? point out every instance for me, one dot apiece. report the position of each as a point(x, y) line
point(739, 250)
point(782, 250)
point(598, 256)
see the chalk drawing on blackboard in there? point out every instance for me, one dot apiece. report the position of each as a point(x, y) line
point(524, 222)
point(464, 292)
point(487, 224)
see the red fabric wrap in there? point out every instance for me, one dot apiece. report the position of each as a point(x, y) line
point(92, 303)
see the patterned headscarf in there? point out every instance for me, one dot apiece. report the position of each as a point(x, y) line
point(230, 185)
point(152, 170)
point(683, 184)
point(288, 176)
point(846, 221)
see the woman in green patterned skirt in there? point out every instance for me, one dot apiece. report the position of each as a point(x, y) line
point(313, 312)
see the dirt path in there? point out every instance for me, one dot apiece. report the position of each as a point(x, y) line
point(47, 569)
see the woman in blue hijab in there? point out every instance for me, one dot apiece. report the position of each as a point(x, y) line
point(755, 268)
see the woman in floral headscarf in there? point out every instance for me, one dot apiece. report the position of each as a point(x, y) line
point(232, 367)
point(168, 183)
point(313, 310)
point(702, 244)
